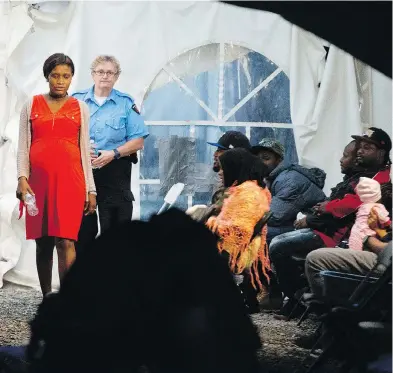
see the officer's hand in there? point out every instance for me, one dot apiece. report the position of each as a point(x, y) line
point(105, 157)
point(93, 153)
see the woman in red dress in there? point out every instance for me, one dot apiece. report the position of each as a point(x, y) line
point(54, 166)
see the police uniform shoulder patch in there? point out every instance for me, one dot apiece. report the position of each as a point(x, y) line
point(134, 107)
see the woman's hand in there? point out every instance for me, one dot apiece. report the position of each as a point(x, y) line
point(301, 223)
point(23, 188)
point(90, 204)
point(105, 157)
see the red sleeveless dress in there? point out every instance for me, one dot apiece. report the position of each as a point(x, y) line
point(57, 177)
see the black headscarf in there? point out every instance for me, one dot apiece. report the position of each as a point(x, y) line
point(239, 165)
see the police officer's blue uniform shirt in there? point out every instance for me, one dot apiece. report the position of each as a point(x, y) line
point(114, 122)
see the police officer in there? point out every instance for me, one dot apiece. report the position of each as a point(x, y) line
point(117, 132)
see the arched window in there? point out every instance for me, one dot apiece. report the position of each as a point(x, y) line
point(197, 97)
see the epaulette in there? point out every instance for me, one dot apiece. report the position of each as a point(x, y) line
point(82, 92)
point(122, 94)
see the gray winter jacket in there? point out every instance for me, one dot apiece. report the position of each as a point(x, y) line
point(294, 189)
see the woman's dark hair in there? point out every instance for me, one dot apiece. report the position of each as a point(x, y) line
point(56, 60)
point(239, 165)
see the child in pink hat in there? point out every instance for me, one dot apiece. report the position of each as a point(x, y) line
point(369, 192)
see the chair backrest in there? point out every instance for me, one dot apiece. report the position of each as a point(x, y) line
point(171, 197)
point(261, 223)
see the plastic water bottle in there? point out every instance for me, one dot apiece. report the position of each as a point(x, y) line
point(31, 206)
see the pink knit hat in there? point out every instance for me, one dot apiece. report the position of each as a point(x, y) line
point(368, 190)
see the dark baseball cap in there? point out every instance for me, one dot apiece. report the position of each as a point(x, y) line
point(270, 144)
point(232, 139)
point(377, 137)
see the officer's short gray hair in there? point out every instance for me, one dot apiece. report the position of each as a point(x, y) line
point(105, 58)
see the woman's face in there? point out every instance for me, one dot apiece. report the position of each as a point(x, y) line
point(59, 80)
point(105, 75)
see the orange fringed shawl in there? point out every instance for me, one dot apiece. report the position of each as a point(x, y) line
point(244, 207)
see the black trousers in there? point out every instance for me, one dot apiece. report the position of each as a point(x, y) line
point(110, 216)
point(114, 201)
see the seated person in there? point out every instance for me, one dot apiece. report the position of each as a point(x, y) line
point(153, 308)
point(239, 221)
point(333, 219)
point(229, 140)
point(358, 262)
point(369, 192)
point(294, 188)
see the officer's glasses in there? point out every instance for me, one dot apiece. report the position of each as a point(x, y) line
point(102, 73)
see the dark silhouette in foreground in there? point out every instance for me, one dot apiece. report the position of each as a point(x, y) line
point(155, 294)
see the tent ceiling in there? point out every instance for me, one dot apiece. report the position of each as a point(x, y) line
point(361, 28)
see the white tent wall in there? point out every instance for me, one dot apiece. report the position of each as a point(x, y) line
point(145, 36)
point(381, 101)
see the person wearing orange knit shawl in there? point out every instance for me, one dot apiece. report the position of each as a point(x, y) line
point(243, 206)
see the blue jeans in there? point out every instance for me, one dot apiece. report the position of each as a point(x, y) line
point(276, 231)
point(282, 250)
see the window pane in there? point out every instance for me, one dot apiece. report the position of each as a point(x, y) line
point(170, 102)
point(244, 74)
point(283, 135)
point(270, 104)
point(152, 200)
point(150, 155)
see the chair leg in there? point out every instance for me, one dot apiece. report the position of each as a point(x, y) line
point(292, 313)
point(319, 341)
point(294, 309)
point(304, 315)
point(321, 358)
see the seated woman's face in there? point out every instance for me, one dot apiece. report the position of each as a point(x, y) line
point(59, 80)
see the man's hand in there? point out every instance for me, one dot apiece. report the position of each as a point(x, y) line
point(90, 205)
point(299, 224)
point(372, 220)
point(373, 223)
point(105, 157)
point(320, 208)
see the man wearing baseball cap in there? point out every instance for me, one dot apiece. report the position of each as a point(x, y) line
point(374, 147)
point(229, 140)
point(294, 188)
point(374, 162)
point(373, 155)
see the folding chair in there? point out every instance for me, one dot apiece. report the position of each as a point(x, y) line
point(367, 300)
